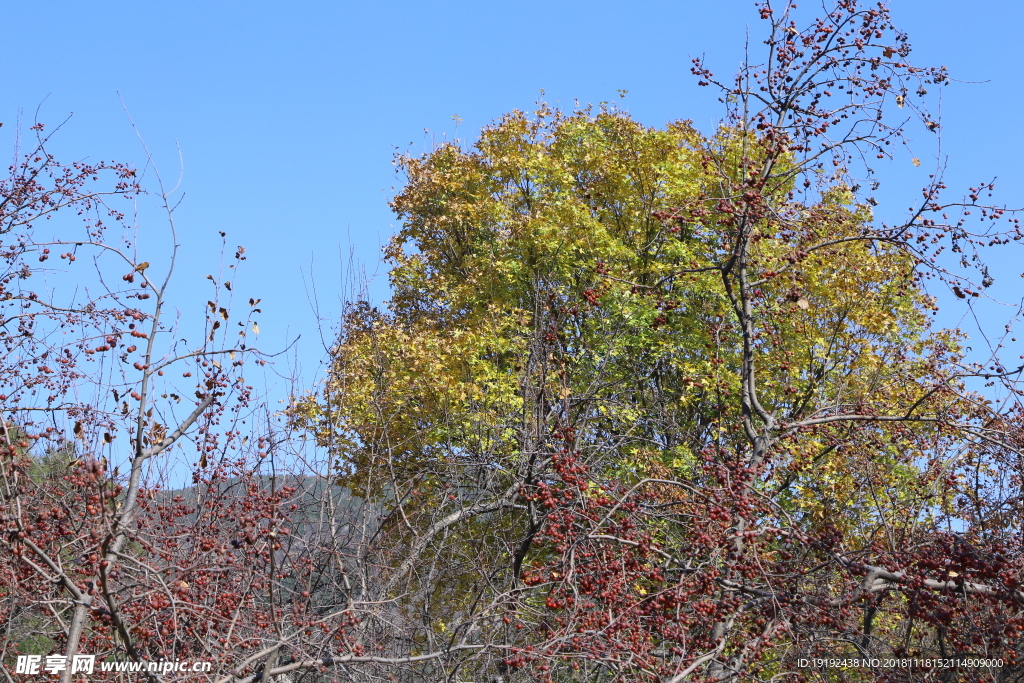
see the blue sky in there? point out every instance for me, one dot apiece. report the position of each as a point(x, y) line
point(287, 117)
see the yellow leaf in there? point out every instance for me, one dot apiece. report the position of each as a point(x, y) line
point(916, 161)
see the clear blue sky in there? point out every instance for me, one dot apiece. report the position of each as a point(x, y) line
point(287, 116)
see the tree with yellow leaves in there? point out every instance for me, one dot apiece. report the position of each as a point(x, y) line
point(649, 404)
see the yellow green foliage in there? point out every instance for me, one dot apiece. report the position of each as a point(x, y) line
point(539, 271)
